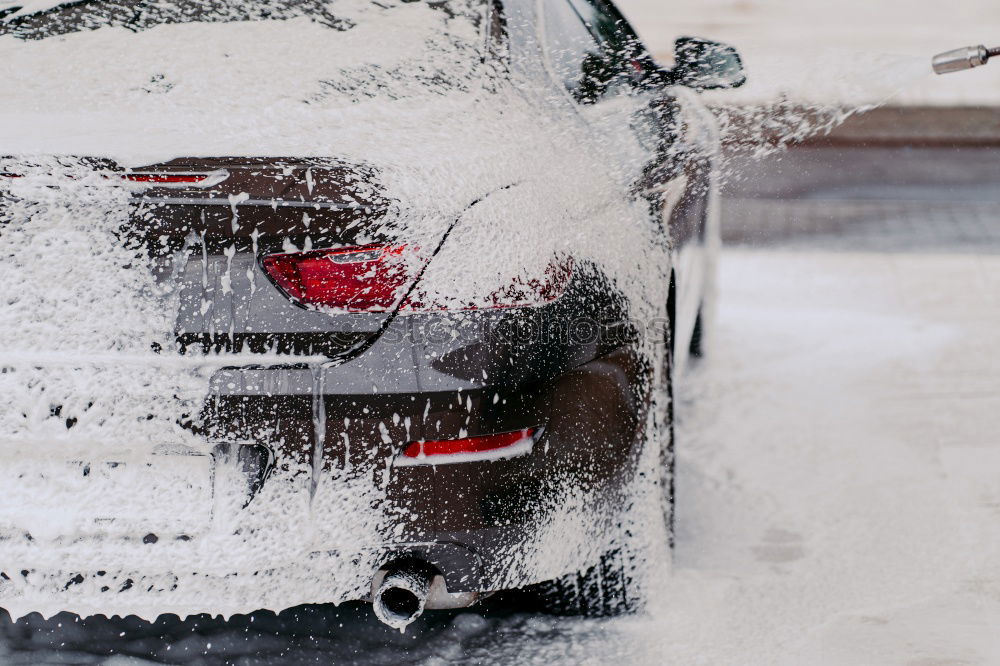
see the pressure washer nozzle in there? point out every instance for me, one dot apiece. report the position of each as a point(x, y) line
point(964, 58)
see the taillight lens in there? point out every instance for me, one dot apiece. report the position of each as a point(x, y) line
point(367, 278)
point(373, 278)
point(469, 449)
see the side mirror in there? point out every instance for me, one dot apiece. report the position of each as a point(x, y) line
point(706, 65)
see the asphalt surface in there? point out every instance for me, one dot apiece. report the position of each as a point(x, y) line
point(837, 457)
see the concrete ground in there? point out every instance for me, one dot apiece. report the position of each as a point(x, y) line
point(838, 493)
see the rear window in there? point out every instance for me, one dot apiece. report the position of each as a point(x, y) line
point(231, 56)
point(38, 19)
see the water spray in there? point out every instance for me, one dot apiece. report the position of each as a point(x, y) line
point(963, 58)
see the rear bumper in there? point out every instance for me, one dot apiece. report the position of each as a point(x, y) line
point(326, 518)
point(217, 576)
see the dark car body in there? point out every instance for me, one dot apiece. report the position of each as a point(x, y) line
point(332, 414)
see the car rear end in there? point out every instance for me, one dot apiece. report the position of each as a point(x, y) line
point(254, 381)
point(321, 414)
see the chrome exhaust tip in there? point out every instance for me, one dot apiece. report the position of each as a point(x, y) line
point(402, 590)
point(963, 58)
point(401, 595)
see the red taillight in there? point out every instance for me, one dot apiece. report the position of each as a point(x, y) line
point(373, 278)
point(167, 177)
point(469, 449)
point(367, 278)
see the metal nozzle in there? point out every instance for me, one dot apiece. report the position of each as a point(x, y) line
point(964, 58)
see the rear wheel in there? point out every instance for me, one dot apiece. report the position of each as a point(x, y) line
point(604, 590)
point(667, 430)
point(608, 588)
point(697, 348)
point(667, 457)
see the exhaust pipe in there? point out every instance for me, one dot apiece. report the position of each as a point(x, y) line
point(401, 596)
point(964, 58)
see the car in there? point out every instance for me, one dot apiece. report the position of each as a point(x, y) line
point(315, 301)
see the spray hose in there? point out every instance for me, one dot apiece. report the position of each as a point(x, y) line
point(963, 58)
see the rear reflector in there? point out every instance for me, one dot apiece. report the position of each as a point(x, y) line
point(366, 278)
point(469, 449)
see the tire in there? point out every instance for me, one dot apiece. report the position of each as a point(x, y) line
point(604, 590)
point(667, 457)
point(608, 589)
point(697, 347)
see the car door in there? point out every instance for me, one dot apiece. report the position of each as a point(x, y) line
point(600, 61)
